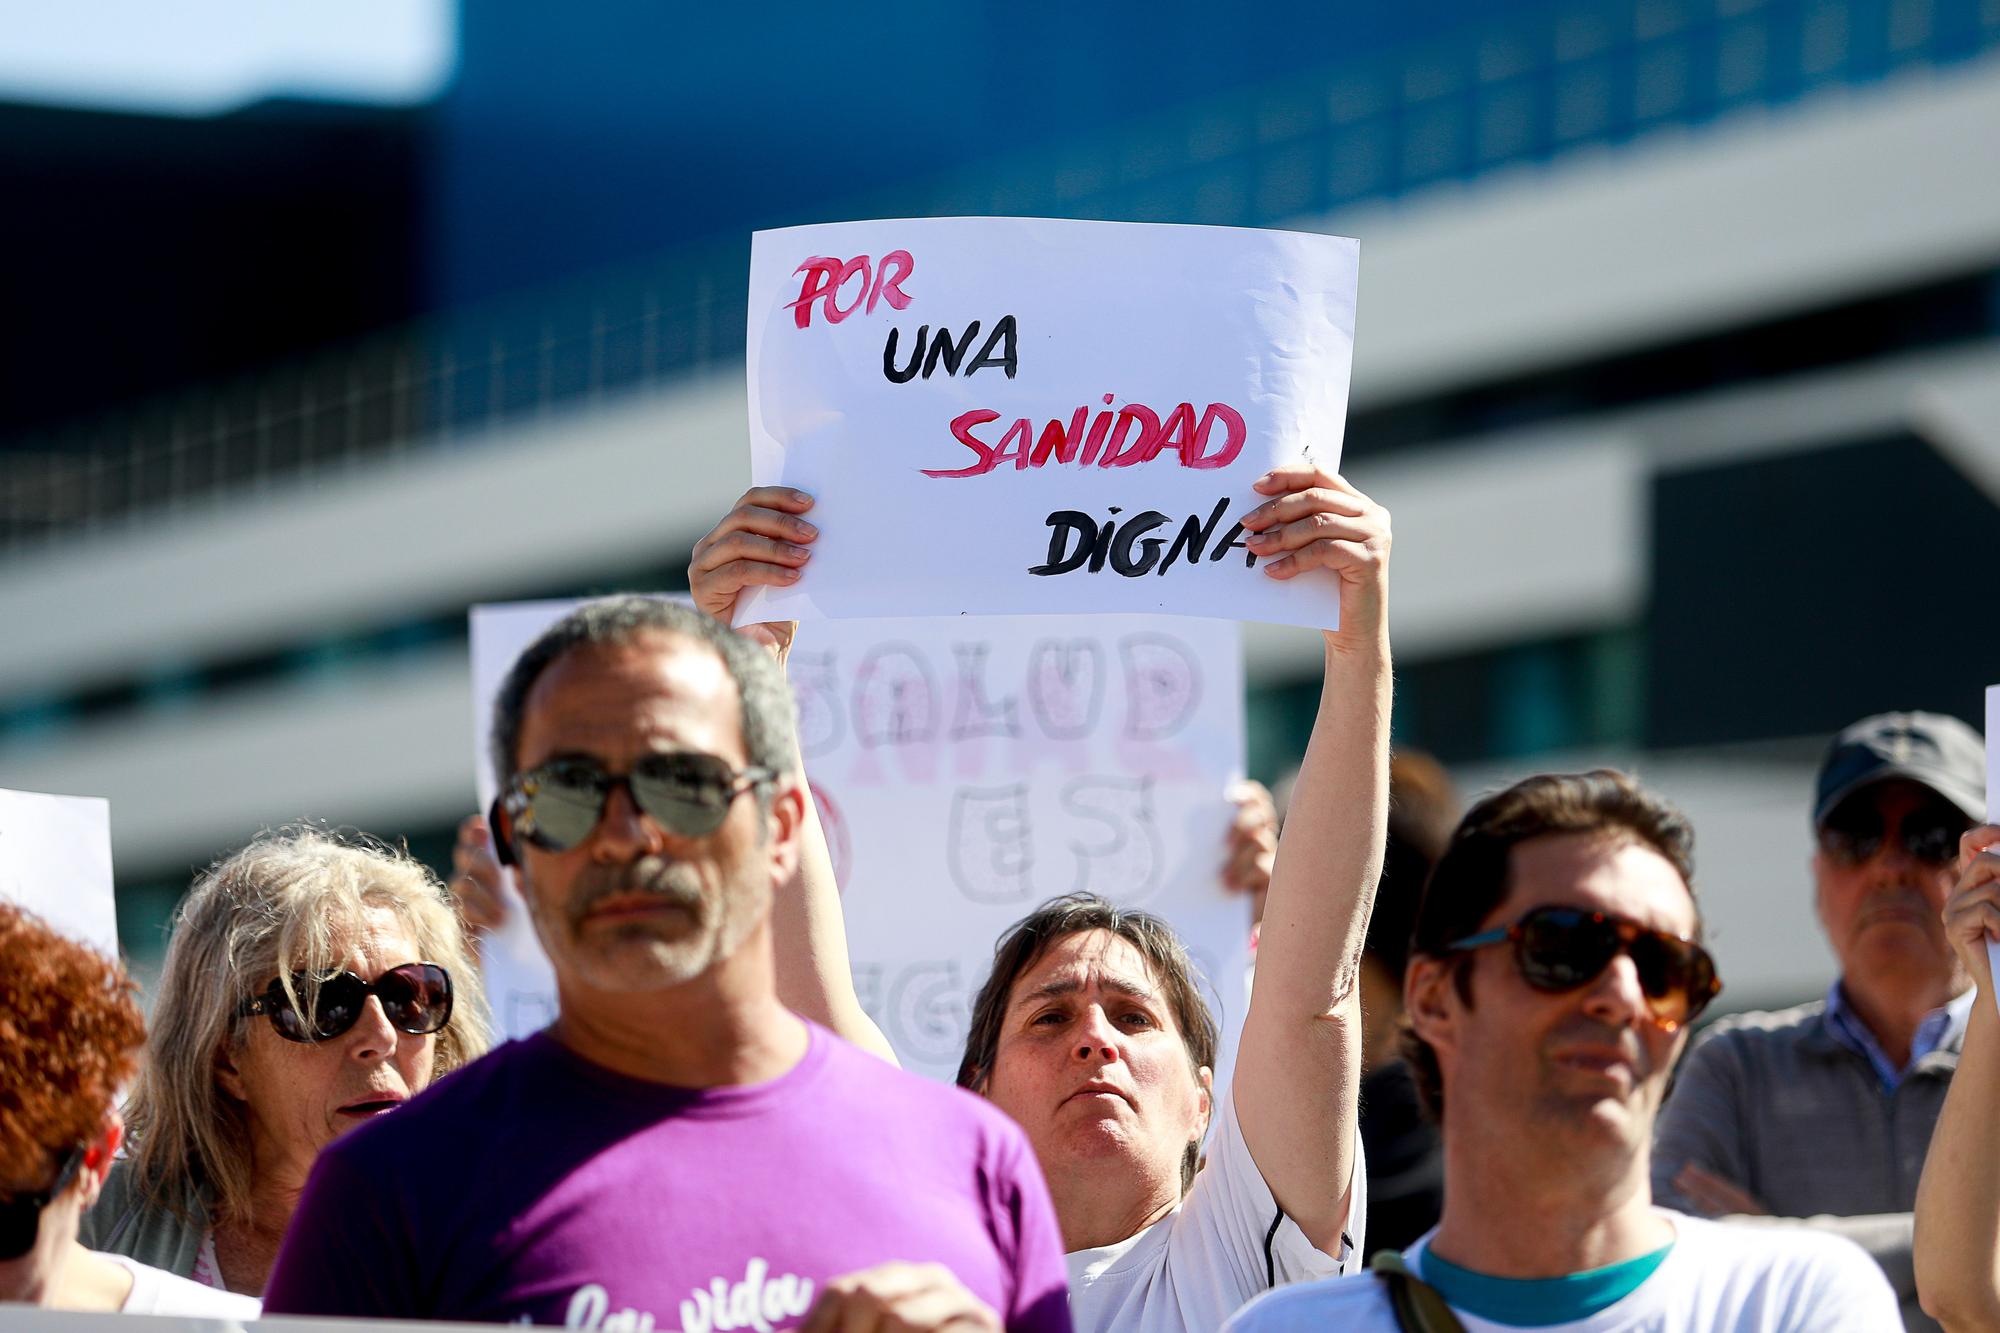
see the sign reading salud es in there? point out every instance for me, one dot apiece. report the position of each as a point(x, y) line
point(1019, 415)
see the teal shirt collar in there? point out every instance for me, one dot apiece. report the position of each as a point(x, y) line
point(1538, 1302)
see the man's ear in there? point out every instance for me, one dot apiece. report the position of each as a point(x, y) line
point(501, 825)
point(1206, 1077)
point(1430, 998)
point(1816, 867)
point(788, 820)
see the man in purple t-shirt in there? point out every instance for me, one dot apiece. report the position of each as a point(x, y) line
point(678, 1149)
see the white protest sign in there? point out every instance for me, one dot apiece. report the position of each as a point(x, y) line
point(1025, 416)
point(55, 860)
point(1993, 802)
point(966, 771)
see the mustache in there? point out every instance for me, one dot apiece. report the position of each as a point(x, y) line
point(1590, 1032)
point(1896, 897)
point(673, 882)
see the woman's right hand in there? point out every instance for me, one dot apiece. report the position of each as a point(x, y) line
point(761, 542)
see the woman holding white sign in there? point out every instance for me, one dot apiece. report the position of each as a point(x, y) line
point(1091, 1033)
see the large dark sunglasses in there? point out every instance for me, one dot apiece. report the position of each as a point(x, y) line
point(1563, 948)
point(21, 1214)
point(416, 997)
point(687, 793)
point(1854, 831)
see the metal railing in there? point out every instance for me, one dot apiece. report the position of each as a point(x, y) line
point(1525, 92)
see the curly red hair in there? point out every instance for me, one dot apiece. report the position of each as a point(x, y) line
point(70, 1035)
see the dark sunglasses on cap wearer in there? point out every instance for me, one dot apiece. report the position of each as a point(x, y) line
point(1560, 949)
point(416, 997)
point(1854, 831)
point(556, 805)
point(21, 1214)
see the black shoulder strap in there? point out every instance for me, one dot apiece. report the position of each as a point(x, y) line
point(1418, 1306)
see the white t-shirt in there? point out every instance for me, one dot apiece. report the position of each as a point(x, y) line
point(1226, 1243)
point(1730, 1279)
point(156, 1291)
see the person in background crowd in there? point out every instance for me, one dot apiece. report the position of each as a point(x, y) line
point(70, 1036)
point(1957, 1247)
point(679, 1148)
point(312, 983)
point(1405, 1158)
point(1820, 1115)
point(1554, 970)
point(1253, 847)
point(1090, 1031)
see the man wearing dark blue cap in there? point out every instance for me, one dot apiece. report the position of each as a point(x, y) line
point(1820, 1115)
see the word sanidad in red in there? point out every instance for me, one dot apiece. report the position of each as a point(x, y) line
point(1132, 435)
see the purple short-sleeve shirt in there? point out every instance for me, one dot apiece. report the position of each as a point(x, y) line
point(533, 1185)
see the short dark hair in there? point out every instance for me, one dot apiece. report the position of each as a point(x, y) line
point(1422, 809)
point(768, 714)
point(1471, 878)
point(1072, 914)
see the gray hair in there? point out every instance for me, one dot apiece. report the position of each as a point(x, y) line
point(280, 905)
point(768, 715)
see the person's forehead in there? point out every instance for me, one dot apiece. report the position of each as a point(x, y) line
point(656, 690)
point(379, 937)
point(1089, 959)
point(384, 937)
point(1599, 873)
point(1891, 796)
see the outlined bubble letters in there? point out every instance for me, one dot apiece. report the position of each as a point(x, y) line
point(1066, 686)
point(1162, 685)
point(973, 714)
point(895, 698)
point(1123, 863)
point(989, 847)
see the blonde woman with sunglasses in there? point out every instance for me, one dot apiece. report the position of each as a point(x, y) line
point(313, 983)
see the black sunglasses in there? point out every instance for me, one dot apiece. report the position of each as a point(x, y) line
point(1563, 948)
point(416, 997)
point(21, 1214)
point(1854, 831)
point(686, 792)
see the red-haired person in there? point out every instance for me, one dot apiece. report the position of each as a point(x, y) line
point(70, 1038)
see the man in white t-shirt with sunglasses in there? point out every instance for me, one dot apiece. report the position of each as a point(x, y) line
point(1555, 968)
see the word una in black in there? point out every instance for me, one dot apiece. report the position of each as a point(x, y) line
point(1000, 349)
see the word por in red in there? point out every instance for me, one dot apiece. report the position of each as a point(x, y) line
point(1000, 349)
point(826, 279)
point(1132, 435)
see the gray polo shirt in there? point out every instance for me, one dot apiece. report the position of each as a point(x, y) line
point(1781, 1106)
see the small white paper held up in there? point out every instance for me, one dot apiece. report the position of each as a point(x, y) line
point(1993, 802)
point(965, 771)
point(1025, 416)
point(55, 860)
